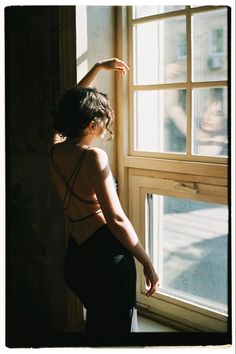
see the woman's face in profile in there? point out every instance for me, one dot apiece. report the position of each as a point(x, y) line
point(101, 129)
point(212, 117)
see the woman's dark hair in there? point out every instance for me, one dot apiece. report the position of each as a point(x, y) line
point(78, 107)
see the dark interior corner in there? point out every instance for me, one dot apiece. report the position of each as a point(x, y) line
point(35, 291)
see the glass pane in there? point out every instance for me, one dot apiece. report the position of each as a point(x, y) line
point(160, 121)
point(209, 46)
point(142, 11)
point(210, 122)
point(193, 238)
point(160, 51)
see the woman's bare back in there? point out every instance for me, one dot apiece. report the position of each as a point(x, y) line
point(70, 167)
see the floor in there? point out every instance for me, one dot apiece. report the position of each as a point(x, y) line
point(147, 325)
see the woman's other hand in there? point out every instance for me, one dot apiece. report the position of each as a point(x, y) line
point(114, 64)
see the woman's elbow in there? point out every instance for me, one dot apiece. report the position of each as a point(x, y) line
point(116, 221)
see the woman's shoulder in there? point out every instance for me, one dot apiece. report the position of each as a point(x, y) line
point(97, 157)
point(97, 153)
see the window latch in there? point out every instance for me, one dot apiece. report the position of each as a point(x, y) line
point(187, 187)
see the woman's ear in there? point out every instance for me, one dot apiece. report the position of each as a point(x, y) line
point(92, 126)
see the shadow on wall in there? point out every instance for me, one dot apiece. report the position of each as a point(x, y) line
point(35, 242)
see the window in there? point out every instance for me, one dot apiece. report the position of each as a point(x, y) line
point(191, 237)
point(165, 84)
point(176, 159)
point(160, 135)
point(217, 41)
point(181, 46)
point(209, 116)
point(210, 45)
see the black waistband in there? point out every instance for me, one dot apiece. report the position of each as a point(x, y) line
point(102, 241)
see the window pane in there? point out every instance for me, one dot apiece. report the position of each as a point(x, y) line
point(142, 11)
point(160, 51)
point(193, 239)
point(209, 46)
point(209, 117)
point(160, 121)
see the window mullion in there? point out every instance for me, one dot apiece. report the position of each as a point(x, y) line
point(189, 81)
point(130, 82)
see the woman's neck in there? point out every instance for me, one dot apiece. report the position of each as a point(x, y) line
point(80, 142)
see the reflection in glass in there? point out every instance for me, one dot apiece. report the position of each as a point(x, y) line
point(209, 46)
point(160, 121)
point(210, 122)
point(193, 238)
point(142, 11)
point(160, 51)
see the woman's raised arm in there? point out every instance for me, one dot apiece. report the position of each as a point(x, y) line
point(113, 64)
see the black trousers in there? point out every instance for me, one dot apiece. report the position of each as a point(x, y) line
point(102, 273)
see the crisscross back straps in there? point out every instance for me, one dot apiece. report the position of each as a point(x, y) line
point(67, 182)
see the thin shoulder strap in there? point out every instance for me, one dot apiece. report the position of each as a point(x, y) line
point(70, 187)
point(62, 177)
point(57, 169)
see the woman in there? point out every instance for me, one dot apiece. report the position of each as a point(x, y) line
point(99, 265)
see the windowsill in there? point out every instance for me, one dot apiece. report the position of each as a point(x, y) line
point(147, 325)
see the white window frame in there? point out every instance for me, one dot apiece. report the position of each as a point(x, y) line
point(145, 172)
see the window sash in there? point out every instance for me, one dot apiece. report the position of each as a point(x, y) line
point(188, 85)
point(199, 317)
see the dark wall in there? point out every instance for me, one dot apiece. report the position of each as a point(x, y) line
point(36, 294)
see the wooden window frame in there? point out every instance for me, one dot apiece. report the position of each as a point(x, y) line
point(140, 172)
point(165, 307)
point(189, 85)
